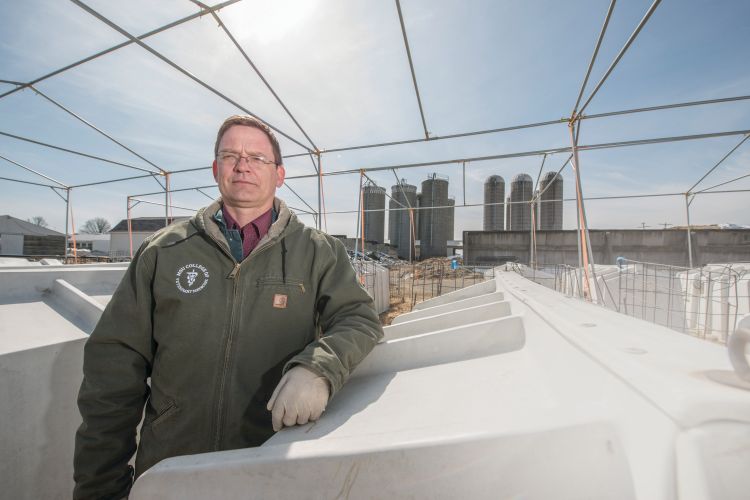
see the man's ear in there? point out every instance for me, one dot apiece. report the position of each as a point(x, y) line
point(215, 169)
point(280, 174)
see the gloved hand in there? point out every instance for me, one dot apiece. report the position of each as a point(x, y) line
point(301, 396)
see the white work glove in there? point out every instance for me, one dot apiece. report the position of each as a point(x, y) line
point(301, 396)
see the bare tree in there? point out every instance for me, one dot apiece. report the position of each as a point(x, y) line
point(39, 221)
point(97, 225)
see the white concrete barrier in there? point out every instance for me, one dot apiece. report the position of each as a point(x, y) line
point(451, 306)
point(533, 466)
point(595, 405)
point(495, 336)
point(38, 420)
point(464, 293)
point(18, 285)
point(452, 319)
point(84, 310)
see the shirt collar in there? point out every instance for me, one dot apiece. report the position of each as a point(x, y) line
point(226, 221)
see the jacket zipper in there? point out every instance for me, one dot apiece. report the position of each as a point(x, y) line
point(227, 353)
point(233, 275)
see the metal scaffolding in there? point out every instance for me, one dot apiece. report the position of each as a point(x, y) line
point(316, 153)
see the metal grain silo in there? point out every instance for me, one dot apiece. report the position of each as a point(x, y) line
point(494, 203)
point(433, 219)
point(520, 195)
point(551, 212)
point(373, 197)
point(392, 221)
point(405, 195)
point(417, 215)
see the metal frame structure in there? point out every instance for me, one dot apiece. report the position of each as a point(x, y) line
point(577, 117)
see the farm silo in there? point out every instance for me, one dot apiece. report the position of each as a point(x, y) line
point(494, 206)
point(550, 204)
point(374, 207)
point(392, 224)
point(520, 196)
point(433, 218)
point(405, 195)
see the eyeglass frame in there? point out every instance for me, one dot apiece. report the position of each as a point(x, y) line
point(251, 158)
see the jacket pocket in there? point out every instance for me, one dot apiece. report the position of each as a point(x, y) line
point(278, 281)
point(170, 410)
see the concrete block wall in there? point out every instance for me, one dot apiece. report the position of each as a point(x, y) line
point(657, 246)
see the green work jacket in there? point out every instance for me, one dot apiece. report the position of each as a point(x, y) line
point(215, 336)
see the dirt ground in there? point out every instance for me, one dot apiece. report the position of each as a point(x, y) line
point(414, 283)
point(397, 308)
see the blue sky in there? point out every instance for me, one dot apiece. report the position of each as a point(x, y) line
point(341, 68)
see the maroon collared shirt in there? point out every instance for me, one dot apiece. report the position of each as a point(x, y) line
point(252, 232)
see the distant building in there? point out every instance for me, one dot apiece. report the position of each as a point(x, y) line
point(141, 228)
point(97, 244)
point(18, 237)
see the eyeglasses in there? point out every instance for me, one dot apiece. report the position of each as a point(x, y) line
point(231, 160)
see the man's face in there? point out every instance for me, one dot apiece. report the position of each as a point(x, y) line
point(247, 185)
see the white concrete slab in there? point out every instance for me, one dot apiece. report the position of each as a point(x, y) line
point(464, 293)
point(34, 324)
point(471, 341)
point(451, 306)
point(450, 319)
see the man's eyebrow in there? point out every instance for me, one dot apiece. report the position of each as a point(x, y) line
point(252, 153)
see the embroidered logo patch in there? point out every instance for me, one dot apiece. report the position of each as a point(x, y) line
point(191, 278)
point(279, 301)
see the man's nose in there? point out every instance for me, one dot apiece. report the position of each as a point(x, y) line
point(243, 164)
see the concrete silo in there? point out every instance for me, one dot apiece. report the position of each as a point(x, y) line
point(551, 212)
point(374, 199)
point(520, 195)
point(417, 215)
point(392, 221)
point(405, 195)
point(494, 203)
point(433, 221)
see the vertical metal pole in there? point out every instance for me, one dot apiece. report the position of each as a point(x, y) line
point(130, 229)
point(67, 231)
point(362, 226)
point(412, 235)
point(359, 212)
point(578, 227)
point(690, 244)
point(166, 201)
point(464, 179)
point(320, 192)
point(532, 238)
point(581, 212)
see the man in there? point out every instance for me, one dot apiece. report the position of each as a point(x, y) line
point(244, 319)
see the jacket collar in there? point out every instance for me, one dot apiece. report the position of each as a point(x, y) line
point(285, 219)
